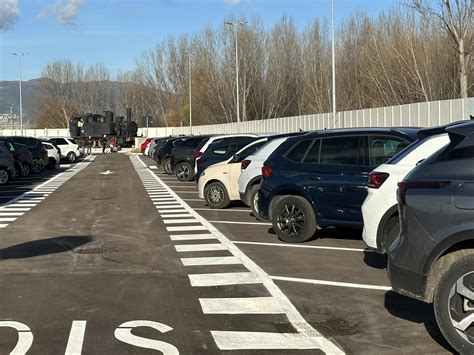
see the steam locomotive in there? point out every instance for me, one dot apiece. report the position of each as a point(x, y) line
point(96, 126)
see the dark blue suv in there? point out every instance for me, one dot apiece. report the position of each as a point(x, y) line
point(320, 179)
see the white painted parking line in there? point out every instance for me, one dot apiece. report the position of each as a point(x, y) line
point(303, 246)
point(3, 225)
point(179, 221)
point(11, 213)
point(224, 210)
point(224, 279)
point(248, 223)
point(199, 247)
point(7, 219)
point(14, 209)
point(23, 205)
point(192, 237)
point(245, 305)
point(331, 283)
point(211, 260)
point(186, 228)
point(168, 207)
point(175, 215)
point(162, 199)
point(193, 199)
point(235, 340)
point(178, 209)
point(164, 203)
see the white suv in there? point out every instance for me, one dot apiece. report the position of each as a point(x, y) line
point(380, 208)
point(251, 167)
point(69, 149)
point(53, 155)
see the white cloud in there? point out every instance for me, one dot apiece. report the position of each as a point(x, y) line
point(235, 2)
point(65, 12)
point(9, 13)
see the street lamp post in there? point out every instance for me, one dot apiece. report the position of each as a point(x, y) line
point(19, 55)
point(190, 94)
point(333, 66)
point(236, 31)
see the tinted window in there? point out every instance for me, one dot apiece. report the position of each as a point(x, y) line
point(340, 151)
point(382, 148)
point(298, 151)
point(313, 155)
point(250, 150)
point(59, 141)
point(460, 153)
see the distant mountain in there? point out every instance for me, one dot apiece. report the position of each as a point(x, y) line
point(10, 97)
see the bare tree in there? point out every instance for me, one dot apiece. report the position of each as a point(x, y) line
point(455, 18)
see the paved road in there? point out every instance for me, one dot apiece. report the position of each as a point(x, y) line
point(111, 257)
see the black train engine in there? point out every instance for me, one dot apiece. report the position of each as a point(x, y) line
point(96, 126)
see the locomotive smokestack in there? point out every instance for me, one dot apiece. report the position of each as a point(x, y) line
point(129, 114)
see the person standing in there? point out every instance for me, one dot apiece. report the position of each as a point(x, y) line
point(89, 145)
point(103, 143)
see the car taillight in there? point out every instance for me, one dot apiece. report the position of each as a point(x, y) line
point(245, 164)
point(266, 172)
point(405, 185)
point(197, 154)
point(376, 179)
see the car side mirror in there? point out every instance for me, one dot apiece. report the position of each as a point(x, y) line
point(421, 161)
point(236, 158)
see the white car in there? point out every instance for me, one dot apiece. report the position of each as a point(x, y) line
point(69, 149)
point(200, 151)
point(380, 208)
point(218, 184)
point(251, 173)
point(54, 157)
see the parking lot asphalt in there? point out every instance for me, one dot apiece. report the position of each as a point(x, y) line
point(114, 257)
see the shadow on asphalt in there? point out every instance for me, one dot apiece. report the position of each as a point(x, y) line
point(43, 247)
point(417, 312)
point(375, 260)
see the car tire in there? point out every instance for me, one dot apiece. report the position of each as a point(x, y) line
point(450, 303)
point(293, 219)
point(216, 195)
point(37, 166)
point(391, 232)
point(184, 172)
point(167, 166)
point(253, 199)
point(71, 157)
point(25, 170)
point(4, 176)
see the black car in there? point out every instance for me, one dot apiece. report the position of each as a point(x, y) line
point(433, 257)
point(220, 150)
point(319, 179)
point(162, 153)
point(183, 159)
point(40, 154)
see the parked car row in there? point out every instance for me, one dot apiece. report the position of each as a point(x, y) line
point(411, 191)
point(22, 156)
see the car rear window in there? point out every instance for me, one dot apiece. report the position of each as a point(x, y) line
point(382, 148)
point(460, 154)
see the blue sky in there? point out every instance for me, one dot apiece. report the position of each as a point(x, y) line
point(115, 32)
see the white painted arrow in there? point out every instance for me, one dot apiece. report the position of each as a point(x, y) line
point(108, 172)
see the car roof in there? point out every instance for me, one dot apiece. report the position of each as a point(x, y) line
point(408, 131)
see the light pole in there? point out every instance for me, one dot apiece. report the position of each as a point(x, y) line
point(235, 25)
point(19, 55)
point(333, 66)
point(190, 94)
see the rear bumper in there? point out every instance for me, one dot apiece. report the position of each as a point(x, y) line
point(406, 282)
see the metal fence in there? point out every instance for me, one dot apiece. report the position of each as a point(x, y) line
point(423, 114)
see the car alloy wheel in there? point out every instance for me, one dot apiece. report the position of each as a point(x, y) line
point(215, 196)
point(290, 220)
point(3, 176)
point(25, 170)
point(461, 307)
point(37, 167)
point(71, 157)
point(182, 172)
